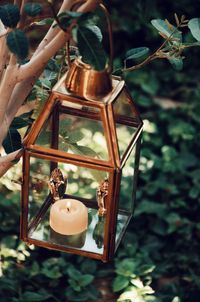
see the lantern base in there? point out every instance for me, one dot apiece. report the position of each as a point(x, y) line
point(89, 242)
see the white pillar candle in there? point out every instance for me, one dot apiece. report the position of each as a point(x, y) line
point(68, 217)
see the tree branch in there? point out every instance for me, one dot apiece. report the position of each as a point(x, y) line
point(40, 60)
point(3, 55)
point(7, 161)
point(6, 87)
point(20, 93)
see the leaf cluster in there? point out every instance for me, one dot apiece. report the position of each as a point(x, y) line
point(16, 39)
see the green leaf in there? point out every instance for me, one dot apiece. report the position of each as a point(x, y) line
point(19, 123)
point(96, 30)
point(12, 142)
point(194, 26)
point(162, 27)
point(120, 282)
point(64, 127)
point(66, 18)
point(126, 267)
point(50, 75)
point(146, 269)
point(75, 296)
point(150, 207)
point(29, 296)
point(136, 53)
point(194, 192)
point(75, 137)
point(32, 9)
point(18, 43)
point(90, 47)
point(45, 83)
point(47, 21)
point(177, 63)
point(85, 280)
point(82, 150)
point(73, 273)
point(75, 285)
point(52, 274)
point(9, 15)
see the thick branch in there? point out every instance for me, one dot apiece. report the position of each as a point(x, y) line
point(6, 162)
point(20, 93)
point(3, 55)
point(6, 87)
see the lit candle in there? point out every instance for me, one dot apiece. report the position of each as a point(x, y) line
point(68, 217)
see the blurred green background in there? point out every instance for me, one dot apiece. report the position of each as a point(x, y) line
point(160, 251)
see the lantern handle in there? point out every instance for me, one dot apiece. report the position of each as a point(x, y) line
point(109, 68)
point(109, 24)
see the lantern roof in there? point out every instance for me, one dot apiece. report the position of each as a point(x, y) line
point(85, 129)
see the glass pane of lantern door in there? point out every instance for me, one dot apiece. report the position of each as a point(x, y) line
point(127, 194)
point(81, 184)
point(75, 129)
point(126, 121)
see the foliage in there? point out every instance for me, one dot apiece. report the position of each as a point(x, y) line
point(32, 9)
point(158, 260)
point(9, 15)
point(18, 43)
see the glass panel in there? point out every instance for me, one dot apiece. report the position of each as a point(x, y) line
point(75, 129)
point(45, 136)
point(77, 183)
point(126, 121)
point(126, 194)
point(38, 185)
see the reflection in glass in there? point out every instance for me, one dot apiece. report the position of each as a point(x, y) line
point(69, 131)
point(76, 241)
point(126, 121)
point(126, 186)
point(98, 234)
point(126, 202)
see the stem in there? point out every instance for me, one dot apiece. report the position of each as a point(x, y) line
point(155, 54)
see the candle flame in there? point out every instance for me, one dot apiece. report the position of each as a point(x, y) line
point(68, 205)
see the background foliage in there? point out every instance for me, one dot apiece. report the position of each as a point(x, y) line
point(159, 257)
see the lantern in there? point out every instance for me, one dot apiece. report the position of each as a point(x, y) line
point(80, 165)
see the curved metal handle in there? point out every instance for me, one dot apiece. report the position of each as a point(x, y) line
point(109, 23)
point(109, 68)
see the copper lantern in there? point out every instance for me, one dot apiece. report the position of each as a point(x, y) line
point(80, 164)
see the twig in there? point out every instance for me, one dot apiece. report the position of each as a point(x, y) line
point(154, 56)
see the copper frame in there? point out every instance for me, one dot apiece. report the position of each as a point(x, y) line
point(113, 165)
